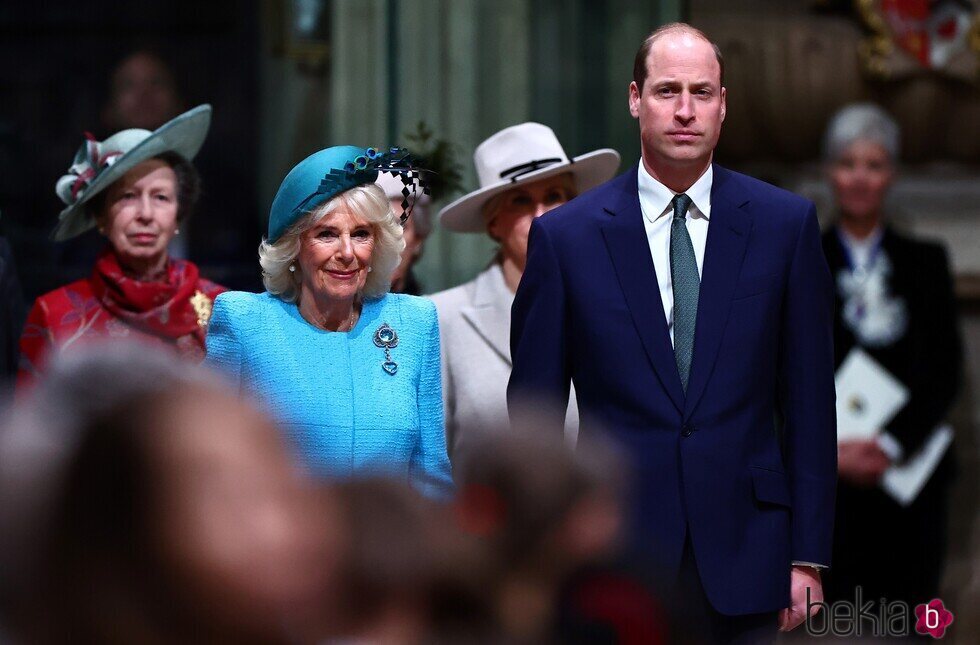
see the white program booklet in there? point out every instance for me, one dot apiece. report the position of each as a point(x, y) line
point(868, 396)
point(905, 482)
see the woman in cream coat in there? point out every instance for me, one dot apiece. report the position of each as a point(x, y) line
point(523, 172)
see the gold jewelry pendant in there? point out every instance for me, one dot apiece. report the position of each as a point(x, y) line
point(202, 307)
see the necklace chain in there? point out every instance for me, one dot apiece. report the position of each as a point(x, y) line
point(321, 323)
point(350, 321)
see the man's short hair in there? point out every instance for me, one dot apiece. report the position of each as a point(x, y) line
point(640, 70)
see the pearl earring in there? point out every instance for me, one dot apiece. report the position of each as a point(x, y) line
point(176, 231)
point(369, 269)
point(292, 268)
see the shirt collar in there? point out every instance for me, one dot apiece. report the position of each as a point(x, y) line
point(860, 253)
point(656, 197)
point(871, 241)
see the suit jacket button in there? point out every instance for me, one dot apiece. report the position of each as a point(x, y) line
point(687, 430)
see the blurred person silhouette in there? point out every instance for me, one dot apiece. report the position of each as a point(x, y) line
point(544, 514)
point(407, 573)
point(524, 172)
point(137, 188)
point(142, 502)
point(11, 316)
point(20, 198)
point(416, 229)
point(895, 302)
point(351, 369)
point(143, 93)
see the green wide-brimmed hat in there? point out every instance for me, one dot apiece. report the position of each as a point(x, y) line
point(329, 172)
point(98, 164)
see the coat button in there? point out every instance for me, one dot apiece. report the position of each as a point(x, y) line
point(687, 430)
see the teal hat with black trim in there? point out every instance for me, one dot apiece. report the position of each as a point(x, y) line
point(329, 172)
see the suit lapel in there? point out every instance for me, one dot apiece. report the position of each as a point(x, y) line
point(489, 313)
point(728, 235)
point(626, 241)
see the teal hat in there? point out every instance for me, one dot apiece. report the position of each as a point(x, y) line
point(98, 164)
point(329, 172)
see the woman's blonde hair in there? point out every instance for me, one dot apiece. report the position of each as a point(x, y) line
point(367, 202)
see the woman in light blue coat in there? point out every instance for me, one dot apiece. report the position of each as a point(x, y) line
point(351, 370)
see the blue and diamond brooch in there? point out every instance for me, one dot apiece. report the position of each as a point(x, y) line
point(386, 338)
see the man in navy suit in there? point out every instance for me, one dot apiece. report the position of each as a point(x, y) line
point(692, 306)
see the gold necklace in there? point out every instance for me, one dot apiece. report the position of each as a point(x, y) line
point(350, 321)
point(322, 323)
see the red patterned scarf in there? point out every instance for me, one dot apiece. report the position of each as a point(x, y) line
point(162, 307)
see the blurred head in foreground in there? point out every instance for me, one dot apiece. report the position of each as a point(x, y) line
point(407, 573)
point(542, 505)
point(142, 503)
point(542, 512)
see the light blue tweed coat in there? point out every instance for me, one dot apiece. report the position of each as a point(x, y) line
point(345, 413)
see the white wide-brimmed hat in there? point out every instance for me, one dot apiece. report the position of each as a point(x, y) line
point(98, 164)
point(518, 155)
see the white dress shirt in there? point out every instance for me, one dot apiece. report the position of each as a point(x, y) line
point(862, 252)
point(655, 203)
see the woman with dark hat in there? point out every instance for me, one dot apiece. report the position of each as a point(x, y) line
point(524, 172)
point(350, 369)
point(137, 187)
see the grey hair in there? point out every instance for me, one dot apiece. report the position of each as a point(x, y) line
point(861, 121)
point(366, 201)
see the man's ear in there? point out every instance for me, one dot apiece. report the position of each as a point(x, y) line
point(724, 103)
point(634, 100)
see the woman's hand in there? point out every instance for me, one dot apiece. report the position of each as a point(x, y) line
point(861, 462)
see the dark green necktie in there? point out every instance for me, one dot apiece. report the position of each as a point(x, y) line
point(686, 284)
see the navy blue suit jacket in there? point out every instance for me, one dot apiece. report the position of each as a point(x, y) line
point(713, 464)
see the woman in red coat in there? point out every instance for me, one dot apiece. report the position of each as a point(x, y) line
point(136, 187)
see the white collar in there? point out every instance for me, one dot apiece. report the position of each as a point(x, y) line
point(871, 241)
point(658, 197)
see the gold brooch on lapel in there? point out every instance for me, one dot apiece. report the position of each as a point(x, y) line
point(202, 307)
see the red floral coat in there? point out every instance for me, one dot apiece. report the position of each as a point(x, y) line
point(172, 312)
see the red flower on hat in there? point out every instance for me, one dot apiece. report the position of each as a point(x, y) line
point(89, 162)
